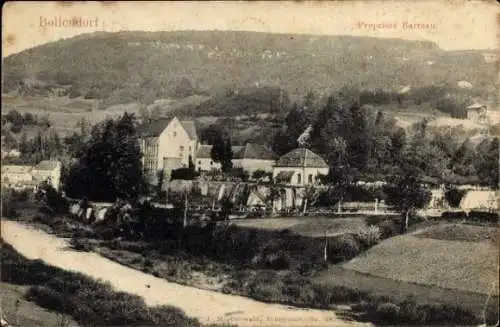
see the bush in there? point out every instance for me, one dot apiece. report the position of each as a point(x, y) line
point(279, 260)
point(369, 236)
point(48, 298)
point(170, 316)
point(453, 196)
point(184, 173)
point(454, 215)
point(387, 229)
point(80, 244)
point(343, 248)
point(388, 312)
point(483, 216)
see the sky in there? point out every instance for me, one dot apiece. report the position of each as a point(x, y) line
point(452, 24)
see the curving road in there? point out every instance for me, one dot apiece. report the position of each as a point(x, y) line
point(207, 306)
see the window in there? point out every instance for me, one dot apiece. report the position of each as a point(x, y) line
point(174, 133)
point(299, 179)
point(211, 163)
point(310, 178)
point(181, 148)
point(199, 162)
point(189, 149)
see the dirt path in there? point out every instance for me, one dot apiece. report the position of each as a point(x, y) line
point(207, 306)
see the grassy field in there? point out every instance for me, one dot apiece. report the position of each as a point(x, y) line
point(460, 232)
point(337, 276)
point(307, 226)
point(28, 313)
point(456, 264)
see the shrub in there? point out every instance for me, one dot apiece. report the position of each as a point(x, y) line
point(454, 215)
point(170, 316)
point(484, 216)
point(369, 236)
point(48, 298)
point(279, 260)
point(453, 196)
point(80, 244)
point(388, 312)
point(343, 248)
point(387, 229)
point(184, 174)
point(8, 205)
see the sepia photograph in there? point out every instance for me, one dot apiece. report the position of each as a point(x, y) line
point(250, 163)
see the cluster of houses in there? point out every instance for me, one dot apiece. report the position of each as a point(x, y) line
point(24, 177)
point(169, 144)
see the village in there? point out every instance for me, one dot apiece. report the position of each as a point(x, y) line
point(169, 144)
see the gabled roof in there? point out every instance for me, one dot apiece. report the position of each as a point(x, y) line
point(154, 128)
point(248, 151)
point(301, 157)
point(253, 151)
point(475, 106)
point(190, 128)
point(47, 165)
point(204, 151)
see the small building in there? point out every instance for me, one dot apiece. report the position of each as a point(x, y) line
point(11, 153)
point(477, 112)
point(167, 144)
point(480, 200)
point(17, 177)
point(252, 157)
point(204, 161)
point(299, 167)
point(48, 171)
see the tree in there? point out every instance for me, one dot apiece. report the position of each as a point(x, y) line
point(340, 179)
point(110, 166)
point(486, 162)
point(311, 195)
point(259, 174)
point(406, 193)
point(221, 150)
point(191, 165)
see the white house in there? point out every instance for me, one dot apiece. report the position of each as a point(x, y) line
point(480, 200)
point(204, 160)
point(17, 177)
point(477, 112)
point(10, 153)
point(299, 167)
point(167, 144)
point(252, 157)
point(48, 171)
point(16, 174)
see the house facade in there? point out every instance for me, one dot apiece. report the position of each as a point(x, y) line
point(299, 167)
point(167, 144)
point(204, 160)
point(48, 171)
point(477, 112)
point(17, 177)
point(252, 157)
